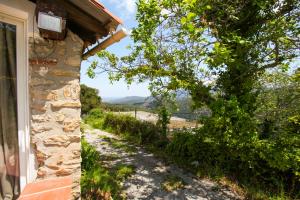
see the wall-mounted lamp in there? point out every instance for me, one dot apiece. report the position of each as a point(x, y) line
point(50, 22)
point(51, 19)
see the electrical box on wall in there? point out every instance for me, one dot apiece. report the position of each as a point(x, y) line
point(51, 19)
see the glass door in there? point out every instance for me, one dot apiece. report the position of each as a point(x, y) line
point(9, 144)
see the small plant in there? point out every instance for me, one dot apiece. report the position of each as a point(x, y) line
point(163, 120)
point(124, 171)
point(126, 147)
point(82, 127)
point(96, 181)
point(172, 183)
point(95, 118)
point(105, 138)
point(110, 157)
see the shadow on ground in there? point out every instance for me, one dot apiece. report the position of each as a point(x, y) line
point(151, 174)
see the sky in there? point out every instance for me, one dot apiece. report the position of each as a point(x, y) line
point(126, 10)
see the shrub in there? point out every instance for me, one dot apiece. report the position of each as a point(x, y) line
point(94, 118)
point(189, 148)
point(271, 164)
point(96, 113)
point(89, 155)
point(140, 131)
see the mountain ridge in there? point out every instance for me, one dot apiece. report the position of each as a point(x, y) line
point(131, 100)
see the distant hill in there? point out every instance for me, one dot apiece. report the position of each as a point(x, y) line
point(129, 103)
point(109, 99)
point(130, 100)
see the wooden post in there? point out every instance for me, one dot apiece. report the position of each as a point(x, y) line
point(135, 112)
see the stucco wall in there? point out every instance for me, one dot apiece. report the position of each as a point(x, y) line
point(55, 107)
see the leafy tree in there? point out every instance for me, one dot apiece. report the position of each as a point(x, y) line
point(181, 44)
point(218, 51)
point(89, 98)
point(278, 102)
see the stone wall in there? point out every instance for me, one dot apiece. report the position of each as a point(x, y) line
point(55, 106)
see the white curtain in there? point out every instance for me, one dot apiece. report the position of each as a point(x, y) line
point(9, 158)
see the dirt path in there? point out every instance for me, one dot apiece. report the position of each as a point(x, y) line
point(151, 173)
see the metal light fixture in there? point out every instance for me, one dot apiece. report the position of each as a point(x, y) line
point(50, 22)
point(51, 19)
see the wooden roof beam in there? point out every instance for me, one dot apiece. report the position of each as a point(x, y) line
point(83, 19)
point(116, 37)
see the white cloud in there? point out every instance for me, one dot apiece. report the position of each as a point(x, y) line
point(127, 8)
point(129, 5)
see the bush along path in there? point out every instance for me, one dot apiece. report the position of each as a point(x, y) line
point(146, 177)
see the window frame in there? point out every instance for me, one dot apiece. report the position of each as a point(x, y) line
point(26, 156)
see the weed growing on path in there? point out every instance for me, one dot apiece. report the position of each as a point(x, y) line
point(172, 183)
point(98, 181)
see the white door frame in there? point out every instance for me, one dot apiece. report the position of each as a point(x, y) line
point(20, 20)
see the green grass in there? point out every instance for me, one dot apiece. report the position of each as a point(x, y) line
point(122, 171)
point(94, 123)
point(119, 144)
point(110, 157)
point(98, 181)
point(125, 147)
point(105, 138)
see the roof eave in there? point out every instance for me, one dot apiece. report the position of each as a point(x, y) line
point(101, 6)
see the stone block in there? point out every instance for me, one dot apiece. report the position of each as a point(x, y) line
point(57, 140)
point(75, 38)
point(40, 128)
point(64, 73)
point(59, 117)
point(38, 107)
point(74, 138)
point(60, 160)
point(40, 157)
point(44, 95)
point(42, 172)
point(73, 61)
point(63, 172)
point(41, 118)
point(66, 104)
point(61, 51)
point(70, 125)
point(72, 162)
point(72, 91)
point(52, 166)
point(40, 82)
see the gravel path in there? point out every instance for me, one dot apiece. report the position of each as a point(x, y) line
point(150, 173)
